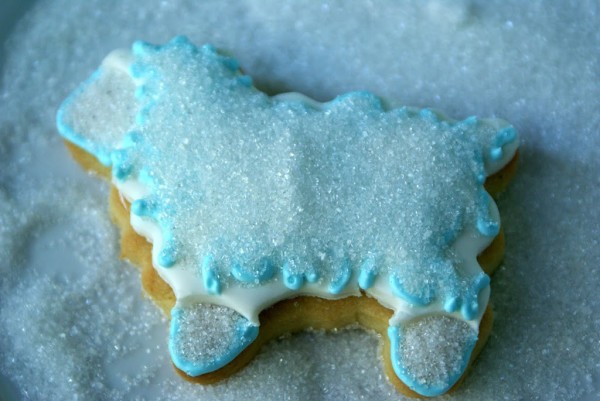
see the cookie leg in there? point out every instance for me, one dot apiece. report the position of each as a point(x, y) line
point(430, 354)
point(206, 337)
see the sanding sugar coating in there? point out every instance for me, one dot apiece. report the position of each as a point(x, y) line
point(250, 199)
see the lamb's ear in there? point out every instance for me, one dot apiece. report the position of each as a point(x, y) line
point(102, 109)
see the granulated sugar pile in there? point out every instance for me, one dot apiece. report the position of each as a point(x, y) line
point(73, 322)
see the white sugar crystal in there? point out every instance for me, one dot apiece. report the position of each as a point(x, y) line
point(534, 63)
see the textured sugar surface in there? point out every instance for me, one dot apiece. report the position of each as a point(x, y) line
point(433, 348)
point(537, 64)
point(118, 109)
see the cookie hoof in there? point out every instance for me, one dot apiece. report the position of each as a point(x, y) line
point(206, 337)
point(430, 354)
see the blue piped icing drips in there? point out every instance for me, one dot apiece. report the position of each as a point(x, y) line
point(503, 137)
point(442, 282)
point(293, 281)
point(209, 276)
point(486, 223)
point(312, 276)
point(341, 278)
point(262, 272)
point(367, 275)
point(167, 256)
point(121, 168)
point(142, 207)
point(469, 303)
point(423, 296)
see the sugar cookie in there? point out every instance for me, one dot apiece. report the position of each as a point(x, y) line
point(255, 216)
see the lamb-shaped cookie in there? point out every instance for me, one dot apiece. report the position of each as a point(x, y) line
point(269, 215)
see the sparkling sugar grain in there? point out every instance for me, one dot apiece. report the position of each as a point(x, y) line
point(535, 63)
